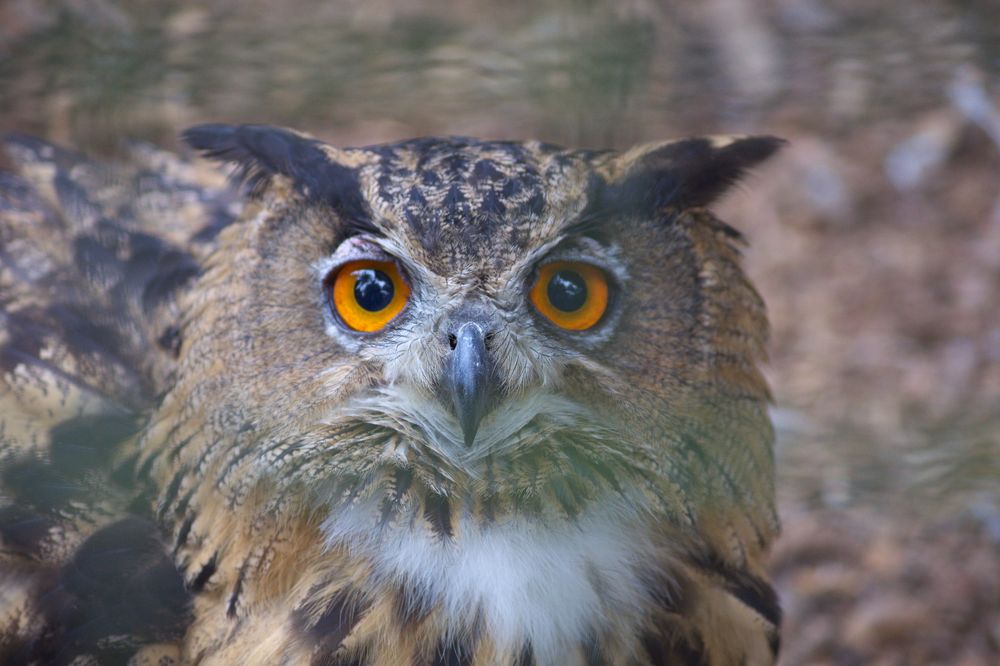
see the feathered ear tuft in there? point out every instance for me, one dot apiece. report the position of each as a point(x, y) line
point(235, 145)
point(688, 173)
point(261, 151)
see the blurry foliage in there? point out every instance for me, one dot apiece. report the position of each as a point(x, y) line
point(594, 72)
point(89, 70)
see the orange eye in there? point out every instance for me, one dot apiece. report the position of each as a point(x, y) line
point(572, 294)
point(369, 294)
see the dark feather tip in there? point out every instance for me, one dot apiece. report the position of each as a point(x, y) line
point(689, 173)
point(261, 151)
point(695, 172)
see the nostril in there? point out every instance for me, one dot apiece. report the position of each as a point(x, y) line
point(488, 339)
point(452, 340)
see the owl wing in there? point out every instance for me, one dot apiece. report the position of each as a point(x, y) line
point(92, 259)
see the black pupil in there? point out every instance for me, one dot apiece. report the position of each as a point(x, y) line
point(373, 289)
point(567, 291)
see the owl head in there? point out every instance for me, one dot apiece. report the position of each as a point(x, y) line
point(505, 327)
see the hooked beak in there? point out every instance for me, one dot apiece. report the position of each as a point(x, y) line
point(469, 379)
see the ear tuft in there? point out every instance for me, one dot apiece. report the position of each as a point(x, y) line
point(688, 173)
point(261, 152)
point(224, 143)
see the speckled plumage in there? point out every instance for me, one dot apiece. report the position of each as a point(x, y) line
point(201, 464)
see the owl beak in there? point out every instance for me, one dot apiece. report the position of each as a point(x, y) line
point(470, 379)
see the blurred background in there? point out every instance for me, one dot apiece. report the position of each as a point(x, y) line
point(875, 236)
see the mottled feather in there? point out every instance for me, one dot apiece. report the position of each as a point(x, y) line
point(201, 463)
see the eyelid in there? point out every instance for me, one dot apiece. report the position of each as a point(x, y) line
point(585, 251)
point(359, 248)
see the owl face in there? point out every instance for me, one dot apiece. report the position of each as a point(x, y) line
point(476, 352)
point(514, 325)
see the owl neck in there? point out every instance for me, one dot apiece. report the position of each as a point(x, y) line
point(547, 582)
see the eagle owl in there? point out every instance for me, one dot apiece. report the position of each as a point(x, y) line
point(442, 401)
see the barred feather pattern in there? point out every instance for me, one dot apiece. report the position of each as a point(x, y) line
point(195, 468)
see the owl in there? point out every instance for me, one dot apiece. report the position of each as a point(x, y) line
point(441, 401)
